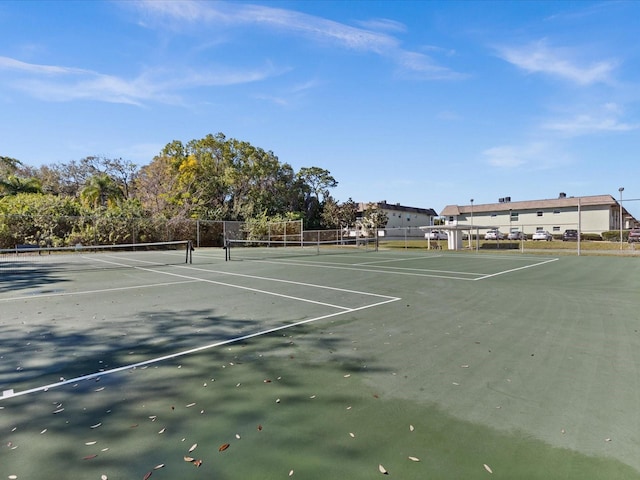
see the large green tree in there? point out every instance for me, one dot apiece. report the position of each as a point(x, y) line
point(339, 215)
point(13, 185)
point(220, 178)
point(101, 191)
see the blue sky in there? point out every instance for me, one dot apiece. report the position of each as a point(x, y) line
point(420, 103)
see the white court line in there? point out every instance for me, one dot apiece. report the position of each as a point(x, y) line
point(279, 280)
point(337, 267)
point(516, 269)
point(44, 388)
point(409, 259)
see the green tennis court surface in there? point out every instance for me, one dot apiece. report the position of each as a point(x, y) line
point(349, 365)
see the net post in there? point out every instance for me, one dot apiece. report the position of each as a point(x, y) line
point(189, 255)
point(227, 253)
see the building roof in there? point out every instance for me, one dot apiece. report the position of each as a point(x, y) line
point(398, 208)
point(454, 210)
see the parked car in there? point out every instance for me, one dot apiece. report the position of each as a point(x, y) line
point(542, 235)
point(494, 235)
point(634, 235)
point(570, 235)
point(517, 236)
point(436, 235)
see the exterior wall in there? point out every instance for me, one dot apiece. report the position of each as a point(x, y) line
point(398, 219)
point(402, 221)
point(593, 219)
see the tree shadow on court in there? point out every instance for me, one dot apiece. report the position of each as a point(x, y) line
point(16, 280)
point(249, 394)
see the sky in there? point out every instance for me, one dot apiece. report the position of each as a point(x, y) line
point(422, 103)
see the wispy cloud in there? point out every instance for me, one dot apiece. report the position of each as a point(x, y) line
point(371, 36)
point(534, 155)
point(539, 57)
point(7, 63)
point(605, 119)
point(61, 83)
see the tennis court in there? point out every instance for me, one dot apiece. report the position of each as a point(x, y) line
point(353, 364)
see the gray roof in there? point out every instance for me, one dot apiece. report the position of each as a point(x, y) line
point(454, 210)
point(399, 208)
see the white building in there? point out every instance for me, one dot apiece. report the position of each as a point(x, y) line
point(402, 220)
point(591, 215)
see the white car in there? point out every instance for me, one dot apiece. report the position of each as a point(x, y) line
point(517, 236)
point(494, 235)
point(436, 235)
point(542, 235)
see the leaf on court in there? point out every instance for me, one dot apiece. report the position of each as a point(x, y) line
point(414, 459)
point(197, 463)
point(188, 459)
point(191, 405)
point(488, 468)
point(59, 410)
point(102, 477)
point(223, 447)
point(607, 439)
point(347, 375)
point(13, 477)
point(382, 470)
point(238, 436)
point(259, 428)
point(91, 443)
point(193, 447)
point(464, 366)
point(158, 467)
point(267, 380)
point(43, 431)
point(352, 435)
point(96, 425)
point(411, 429)
point(89, 457)
point(291, 473)
point(147, 475)
point(162, 431)
point(99, 389)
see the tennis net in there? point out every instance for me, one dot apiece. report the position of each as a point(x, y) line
point(268, 249)
point(28, 258)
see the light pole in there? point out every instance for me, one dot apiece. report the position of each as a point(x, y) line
point(471, 230)
point(621, 189)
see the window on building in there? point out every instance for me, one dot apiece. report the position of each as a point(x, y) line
point(514, 216)
point(494, 215)
point(556, 212)
point(539, 213)
point(556, 229)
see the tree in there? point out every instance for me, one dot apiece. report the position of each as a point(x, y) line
point(335, 215)
point(8, 166)
point(13, 185)
point(101, 191)
point(223, 179)
point(318, 180)
point(374, 218)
